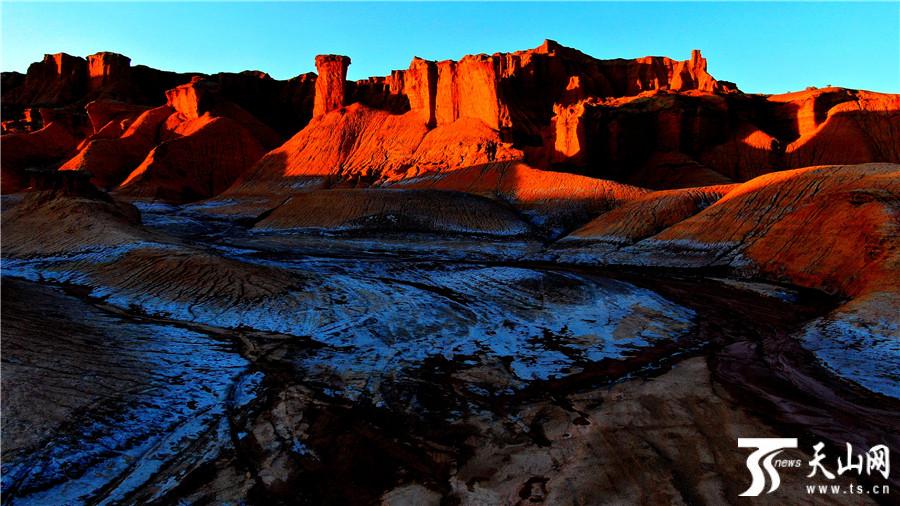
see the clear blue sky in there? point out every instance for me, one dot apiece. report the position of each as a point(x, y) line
point(763, 47)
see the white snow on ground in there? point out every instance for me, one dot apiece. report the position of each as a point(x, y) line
point(378, 316)
point(860, 342)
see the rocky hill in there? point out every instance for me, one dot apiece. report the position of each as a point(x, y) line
point(653, 122)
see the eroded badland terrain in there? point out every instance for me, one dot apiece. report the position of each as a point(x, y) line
point(518, 278)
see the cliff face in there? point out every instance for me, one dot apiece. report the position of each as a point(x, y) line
point(65, 84)
point(653, 122)
point(193, 147)
point(57, 79)
point(438, 116)
point(517, 91)
point(106, 68)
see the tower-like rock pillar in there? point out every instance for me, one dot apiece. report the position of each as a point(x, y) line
point(420, 85)
point(331, 83)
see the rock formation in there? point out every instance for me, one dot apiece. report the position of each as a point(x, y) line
point(68, 221)
point(708, 227)
point(514, 90)
point(529, 277)
point(553, 202)
point(285, 106)
point(57, 79)
point(672, 126)
point(829, 228)
point(646, 216)
point(193, 147)
point(102, 112)
point(106, 68)
point(850, 127)
point(191, 99)
point(854, 245)
point(197, 165)
point(372, 145)
point(37, 149)
point(110, 160)
point(382, 210)
point(331, 83)
point(68, 83)
point(652, 122)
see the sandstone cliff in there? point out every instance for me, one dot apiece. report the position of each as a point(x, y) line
point(652, 122)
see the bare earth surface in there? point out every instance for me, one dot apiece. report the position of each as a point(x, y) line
point(210, 362)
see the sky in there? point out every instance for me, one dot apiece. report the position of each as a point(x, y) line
point(763, 47)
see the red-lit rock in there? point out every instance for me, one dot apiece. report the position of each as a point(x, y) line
point(331, 83)
point(861, 128)
point(101, 112)
point(569, 134)
point(648, 215)
point(157, 142)
point(358, 145)
point(419, 83)
point(768, 226)
point(191, 99)
point(653, 122)
point(197, 165)
point(203, 96)
point(555, 202)
point(57, 79)
point(111, 160)
point(105, 68)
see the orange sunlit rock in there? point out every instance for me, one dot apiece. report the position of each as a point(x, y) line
point(651, 122)
point(111, 160)
point(557, 201)
point(359, 145)
point(827, 227)
point(190, 99)
point(860, 128)
point(331, 82)
point(649, 214)
point(198, 165)
point(105, 68)
point(101, 112)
